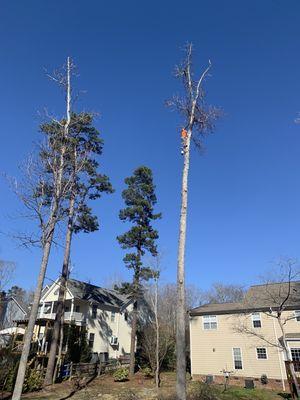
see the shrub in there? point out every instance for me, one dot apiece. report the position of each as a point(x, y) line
point(121, 375)
point(202, 391)
point(147, 372)
point(33, 380)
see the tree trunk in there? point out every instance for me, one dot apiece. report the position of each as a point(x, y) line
point(157, 380)
point(288, 357)
point(59, 318)
point(33, 314)
point(133, 338)
point(47, 242)
point(181, 309)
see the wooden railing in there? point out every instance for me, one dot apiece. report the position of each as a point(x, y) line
point(70, 370)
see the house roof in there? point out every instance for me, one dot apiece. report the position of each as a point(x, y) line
point(86, 291)
point(258, 297)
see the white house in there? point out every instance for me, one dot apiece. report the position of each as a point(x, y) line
point(104, 313)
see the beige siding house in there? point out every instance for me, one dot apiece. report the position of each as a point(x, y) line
point(103, 312)
point(244, 340)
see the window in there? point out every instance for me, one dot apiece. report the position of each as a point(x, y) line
point(94, 311)
point(126, 315)
point(47, 308)
point(237, 358)
point(91, 340)
point(261, 353)
point(295, 353)
point(297, 315)
point(209, 322)
point(256, 321)
point(77, 308)
point(112, 316)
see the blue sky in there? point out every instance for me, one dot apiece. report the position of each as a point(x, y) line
point(244, 191)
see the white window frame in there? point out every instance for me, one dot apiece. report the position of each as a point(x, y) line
point(253, 315)
point(94, 308)
point(112, 316)
point(210, 319)
point(257, 353)
point(237, 369)
point(297, 315)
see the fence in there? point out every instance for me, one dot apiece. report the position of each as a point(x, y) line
point(90, 369)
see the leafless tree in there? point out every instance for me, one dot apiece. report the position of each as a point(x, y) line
point(276, 299)
point(199, 120)
point(221, 293)
point(43, 194)
point(7, 269)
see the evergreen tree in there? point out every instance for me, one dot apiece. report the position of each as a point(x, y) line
point(86, 183)
point(139, 198)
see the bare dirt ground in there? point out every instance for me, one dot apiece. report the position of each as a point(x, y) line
point(104, 388)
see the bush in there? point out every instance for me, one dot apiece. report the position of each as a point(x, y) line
point(33, 380)
point(121, 375)
point(202, 391)
point(147, 372)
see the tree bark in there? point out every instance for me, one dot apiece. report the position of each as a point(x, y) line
point(288, 357)
point(181, 308)
point(47, 242)
point(59, 317)
point(157, 380)
point(33, 315)
point(133, 338)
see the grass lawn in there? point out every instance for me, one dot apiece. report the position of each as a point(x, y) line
point(104, 388)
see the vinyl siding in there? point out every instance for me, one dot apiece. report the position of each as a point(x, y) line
point(211, 350)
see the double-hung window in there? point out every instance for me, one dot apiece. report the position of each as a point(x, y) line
point(112, 316)
point(295, 353)
point(256, 320)
point(94, 311)
point(91, 340)
point(237, 358)
point(209, 322)
point(297, 315)
point(261, 353)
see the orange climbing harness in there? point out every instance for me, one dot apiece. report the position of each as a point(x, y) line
point(184, 134)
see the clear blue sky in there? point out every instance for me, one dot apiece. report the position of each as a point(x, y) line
point(244, 204)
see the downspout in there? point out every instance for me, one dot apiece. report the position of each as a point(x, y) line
point(279, 355)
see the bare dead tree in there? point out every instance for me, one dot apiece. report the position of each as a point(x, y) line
point(199, 120)
point(7, 269)
point(279, 293)
point(43, 200)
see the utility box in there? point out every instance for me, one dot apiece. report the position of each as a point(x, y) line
point(249, 383)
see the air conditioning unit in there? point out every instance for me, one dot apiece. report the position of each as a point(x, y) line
point(114, 341)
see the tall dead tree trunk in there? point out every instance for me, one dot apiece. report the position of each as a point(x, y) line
point(47, 243)
point(59, 317)
point(181, 308)
point(197, 117)
point(157, 369)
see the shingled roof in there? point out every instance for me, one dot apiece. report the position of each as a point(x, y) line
point(258, 298)
point(86, 291)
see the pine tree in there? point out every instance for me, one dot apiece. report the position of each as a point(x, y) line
point(86, 184)
point(139, 198)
